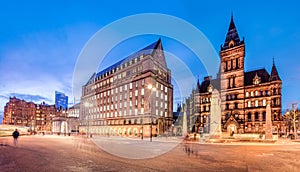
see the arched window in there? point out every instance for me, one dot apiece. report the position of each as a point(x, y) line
point(249, 116)
point(264, 116)
point(256, 116)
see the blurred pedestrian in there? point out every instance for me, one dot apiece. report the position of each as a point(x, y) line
point(15, 136)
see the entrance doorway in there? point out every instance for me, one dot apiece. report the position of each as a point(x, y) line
point(231, 129)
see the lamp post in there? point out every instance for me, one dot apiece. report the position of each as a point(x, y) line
point(151, 88)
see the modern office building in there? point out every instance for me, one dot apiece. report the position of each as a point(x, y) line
point(133, 97)
point(244, 94)
point(61, 101)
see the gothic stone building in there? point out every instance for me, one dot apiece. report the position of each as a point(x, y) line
point(133, 97)
point(244, 95)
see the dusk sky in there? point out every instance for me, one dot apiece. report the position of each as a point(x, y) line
point(41, 40)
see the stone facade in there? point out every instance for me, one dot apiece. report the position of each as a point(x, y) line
point(244, 95)
point(38, 117)
point(130, 97)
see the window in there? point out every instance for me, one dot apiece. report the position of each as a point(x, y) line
point(249, 104)
point(256, 116)
point(227, 106)
point(236, 105)
point(249, 116)
point(142, 110)
point(256, 93)
point(256, 103)
point(252, 94)
point(136, 84)
point(267, 92)
point(142, 91)
point(264, 102)
point(264, 116)
point(143, 82)
point(136, 102)
point(142, 102)
point(130, 86)
point(136, 93)
point(125, 87)
point(135, 111)
point(166, 89)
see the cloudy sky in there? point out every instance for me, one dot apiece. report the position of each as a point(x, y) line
point(41, 40)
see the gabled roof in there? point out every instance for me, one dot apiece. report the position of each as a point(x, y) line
point(150, 49)
point(249, 76)
point(233, 35)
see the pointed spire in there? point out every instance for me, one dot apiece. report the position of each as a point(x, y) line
point(274, 73)
point(198, 85)
point(232, 36)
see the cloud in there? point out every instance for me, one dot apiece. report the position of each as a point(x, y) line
point(30, 98)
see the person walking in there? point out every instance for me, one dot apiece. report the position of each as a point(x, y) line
point(15, 136)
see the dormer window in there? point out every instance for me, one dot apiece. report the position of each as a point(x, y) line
point(231, 44)
point(256, 79)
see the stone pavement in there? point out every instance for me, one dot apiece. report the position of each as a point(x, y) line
point(63, 153)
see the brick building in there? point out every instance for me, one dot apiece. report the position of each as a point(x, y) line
point(38, 117)
point(129, 97)
point(244, 95)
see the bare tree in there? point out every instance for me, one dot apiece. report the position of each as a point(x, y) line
point(291, 117)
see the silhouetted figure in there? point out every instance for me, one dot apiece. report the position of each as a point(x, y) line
point(15, 136)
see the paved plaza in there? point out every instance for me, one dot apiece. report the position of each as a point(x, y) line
point(64, 153)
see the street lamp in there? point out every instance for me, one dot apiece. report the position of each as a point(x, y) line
point(151, 88)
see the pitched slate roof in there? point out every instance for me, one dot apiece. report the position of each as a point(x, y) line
point(262, 73)
point(209, 81)
point(145, 51)
point(232, 34)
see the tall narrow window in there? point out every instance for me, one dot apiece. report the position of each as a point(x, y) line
point(237, 63)
point(229, 82)
point(226, 66)
point(233, 81)
point(256, 116)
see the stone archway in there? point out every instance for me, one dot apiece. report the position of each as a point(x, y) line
point(232, 129)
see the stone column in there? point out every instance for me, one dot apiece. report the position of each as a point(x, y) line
point(268, 130)
point(215, 115)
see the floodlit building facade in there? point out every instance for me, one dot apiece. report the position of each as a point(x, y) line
point(133, 97)
point(244, 94)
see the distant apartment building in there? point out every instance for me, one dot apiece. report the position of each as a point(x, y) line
point(38, 117)
point(61, 100)
point(133, 97)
